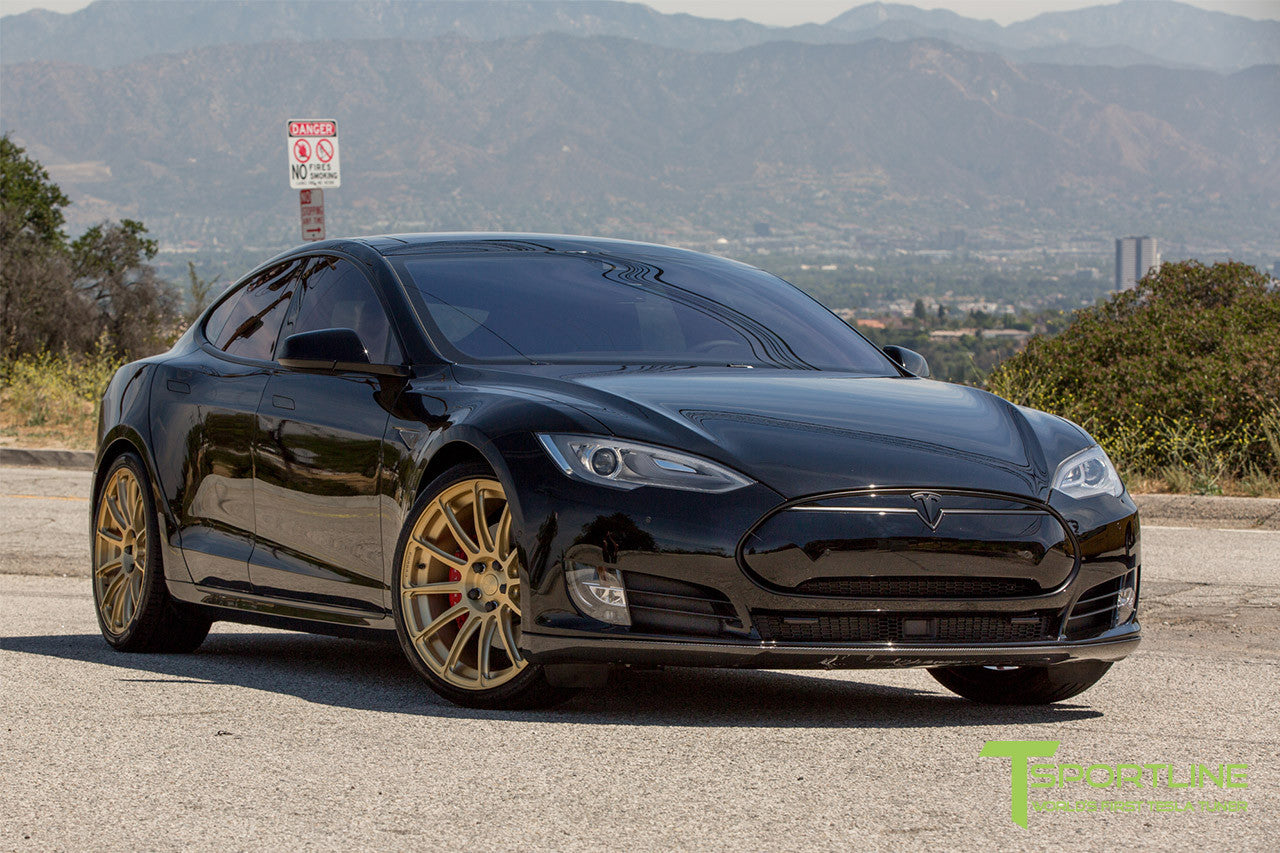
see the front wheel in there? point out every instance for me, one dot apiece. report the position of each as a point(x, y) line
point(1021, 685)
point(459, 594)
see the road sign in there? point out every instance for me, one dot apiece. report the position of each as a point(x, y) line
point(313, 154)
point(312, 204)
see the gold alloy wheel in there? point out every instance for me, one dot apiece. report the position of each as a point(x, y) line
point(460, 587)
point(120, 551)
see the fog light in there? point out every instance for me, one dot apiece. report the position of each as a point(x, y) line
point(1125, 600)
point(599, 593)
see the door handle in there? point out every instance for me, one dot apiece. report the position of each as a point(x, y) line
point(281, 402)
point(177, 387)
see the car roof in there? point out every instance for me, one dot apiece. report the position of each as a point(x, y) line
point(489, 241)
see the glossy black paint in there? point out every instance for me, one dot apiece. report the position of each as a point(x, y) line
point(283, 490)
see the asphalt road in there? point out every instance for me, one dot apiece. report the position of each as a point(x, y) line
point(267, 739)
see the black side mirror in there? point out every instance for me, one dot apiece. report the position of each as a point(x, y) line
point(911, 360)
point(331, 350)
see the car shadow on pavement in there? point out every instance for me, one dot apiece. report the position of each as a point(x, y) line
point(371, 676)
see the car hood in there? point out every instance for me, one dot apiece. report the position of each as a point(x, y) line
point(803, 432)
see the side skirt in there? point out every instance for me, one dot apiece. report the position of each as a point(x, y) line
point(249, 609)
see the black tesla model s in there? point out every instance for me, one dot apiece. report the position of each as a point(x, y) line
point(532, 457)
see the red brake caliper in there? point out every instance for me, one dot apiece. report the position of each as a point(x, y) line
point(456, 597)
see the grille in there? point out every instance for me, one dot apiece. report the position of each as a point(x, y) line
point(1095, 611)
point(920, 587)
point(665, 606)
point(924, 628)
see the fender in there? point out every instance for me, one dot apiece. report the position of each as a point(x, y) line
point(125, 424)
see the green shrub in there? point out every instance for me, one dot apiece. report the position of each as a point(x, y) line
point(54, 398)
point(1178, 378)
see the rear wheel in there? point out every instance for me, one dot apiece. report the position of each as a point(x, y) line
point(135, 611)
point(459, 595)
point(1021, 685)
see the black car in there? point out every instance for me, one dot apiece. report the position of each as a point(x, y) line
point(533, 457)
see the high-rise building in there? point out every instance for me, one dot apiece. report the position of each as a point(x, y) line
point(1135, 257)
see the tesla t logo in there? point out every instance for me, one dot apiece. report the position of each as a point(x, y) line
point(928, 507)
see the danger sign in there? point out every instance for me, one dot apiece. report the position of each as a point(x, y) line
point(312, 204)
point(313, 154)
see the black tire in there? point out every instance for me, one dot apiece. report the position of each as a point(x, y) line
point(156, 623)
point(528, 687)
point(1023, 685)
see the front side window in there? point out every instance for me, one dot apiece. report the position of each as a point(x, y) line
point(252, 322)
point(602, 308)
point(337, 295)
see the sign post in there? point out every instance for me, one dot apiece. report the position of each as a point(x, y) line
point(313, 168)
point(312, 203)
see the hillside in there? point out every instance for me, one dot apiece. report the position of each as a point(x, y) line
point(115, 32)
point(608, 134)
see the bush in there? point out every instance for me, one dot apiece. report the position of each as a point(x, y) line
point(1178, 378)
point(48, 399)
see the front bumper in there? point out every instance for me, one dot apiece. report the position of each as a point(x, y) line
point(1113, 645)
point(841, 580)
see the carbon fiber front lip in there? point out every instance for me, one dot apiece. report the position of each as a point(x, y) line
point(551, 648)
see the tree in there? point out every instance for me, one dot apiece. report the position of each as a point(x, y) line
point(38, 308)
point(32, 203)
point(137, 310)
point(200, 291)
point(1184, 369)
point(920, 311)
point(57, 295)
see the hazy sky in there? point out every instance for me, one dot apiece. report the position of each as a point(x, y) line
point(803, 11)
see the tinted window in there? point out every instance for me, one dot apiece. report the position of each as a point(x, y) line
point(337, 295)
point(218, 316)
point(601, 308)
point(253, 322)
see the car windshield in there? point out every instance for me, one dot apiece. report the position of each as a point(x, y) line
point(583, 307)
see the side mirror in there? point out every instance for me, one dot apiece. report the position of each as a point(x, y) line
point(331, 350)
point(911, 360)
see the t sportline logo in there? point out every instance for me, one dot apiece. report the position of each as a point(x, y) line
point(1144, 778)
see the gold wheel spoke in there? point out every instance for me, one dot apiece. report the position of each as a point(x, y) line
point(123, 503)
point(465, 634)
point(503, 543)
point(486, 646)
point(440, 552)
point(116, 539)
point(506, 636)
point(459, 533)
point(110, 567)
point(480, 517)
point(441, 588)
point(440, 621)
point(111, 597)
point(116, 515)
point(126, 598)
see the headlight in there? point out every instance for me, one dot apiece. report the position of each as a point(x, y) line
point(1088, 473)
point(628, 465)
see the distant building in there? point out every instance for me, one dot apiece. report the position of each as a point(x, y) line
point(1135, 257)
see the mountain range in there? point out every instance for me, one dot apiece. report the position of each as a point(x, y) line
point(543, 118)
point(113, 32)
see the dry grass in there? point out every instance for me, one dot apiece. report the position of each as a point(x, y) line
point(52, 400)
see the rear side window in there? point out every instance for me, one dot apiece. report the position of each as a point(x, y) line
point(254, 316)
point(337, 295)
